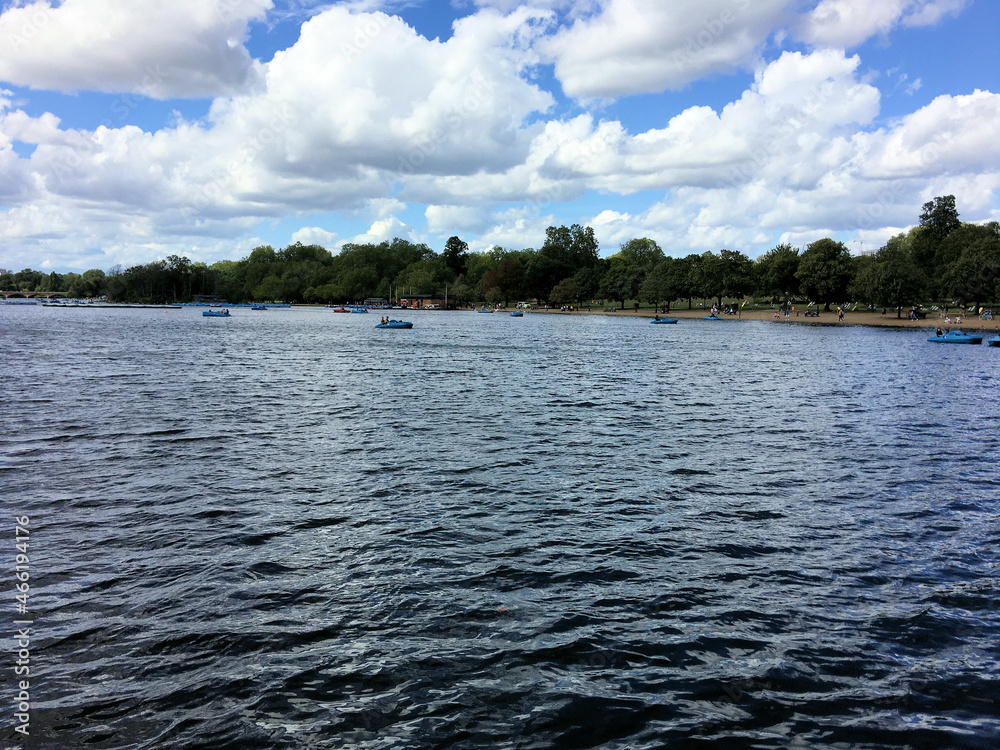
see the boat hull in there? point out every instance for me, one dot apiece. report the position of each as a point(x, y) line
point(956, 337)
point(396, 324)
point(210, 314)
point(661, 321)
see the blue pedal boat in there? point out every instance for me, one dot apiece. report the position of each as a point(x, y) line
point(517, 314)
point(215, 313)
point(258, 307)
point(712, 317)
point(396, 324)
point(663, 320)
point(956, 337)
point(994, 341)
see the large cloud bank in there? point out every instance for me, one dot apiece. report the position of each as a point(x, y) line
point(364, 117)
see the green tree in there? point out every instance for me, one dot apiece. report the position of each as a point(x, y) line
point(825, 272)
point(456, 255)
point(665, 283)
point(427, 276)
point(177, 278)
point(973, 276)
point(268, 289)
point(115, 284)
point(71, 282)
point(738, 278)
point(89, 285)
point(627, 269)
point(619, 281)
point(566, 292)
point(566, 251)
point(889, 278)
point(938, 219)
point(52, 283)
point(27, 280)
point(506, 282)
point(776, 271)
point(231, 280)
point(707, 276)
point(588, 280)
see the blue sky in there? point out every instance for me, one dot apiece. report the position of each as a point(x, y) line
point(131, 130)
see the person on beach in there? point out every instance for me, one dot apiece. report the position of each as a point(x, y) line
point(840, 314)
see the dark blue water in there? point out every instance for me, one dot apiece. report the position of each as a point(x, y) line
point(290, 530)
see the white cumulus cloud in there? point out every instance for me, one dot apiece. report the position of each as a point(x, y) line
point(184, 48)
point(847, 23)
point(633, 46)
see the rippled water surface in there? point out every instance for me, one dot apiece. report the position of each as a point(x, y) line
point(288, 529)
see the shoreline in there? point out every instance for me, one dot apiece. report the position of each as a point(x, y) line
point(871, 319)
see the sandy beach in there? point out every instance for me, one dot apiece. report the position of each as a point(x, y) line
point(933, 320)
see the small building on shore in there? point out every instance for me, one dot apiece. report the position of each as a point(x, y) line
point(427, 302)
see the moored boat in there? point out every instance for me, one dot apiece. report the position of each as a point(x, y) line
point(712, 317)
point(956, 337)
point(994, 341)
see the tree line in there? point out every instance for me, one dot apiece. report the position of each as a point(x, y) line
point(941, 258)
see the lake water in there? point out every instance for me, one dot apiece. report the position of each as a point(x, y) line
point(287, 529)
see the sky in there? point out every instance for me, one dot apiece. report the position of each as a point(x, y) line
point(132, 130)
